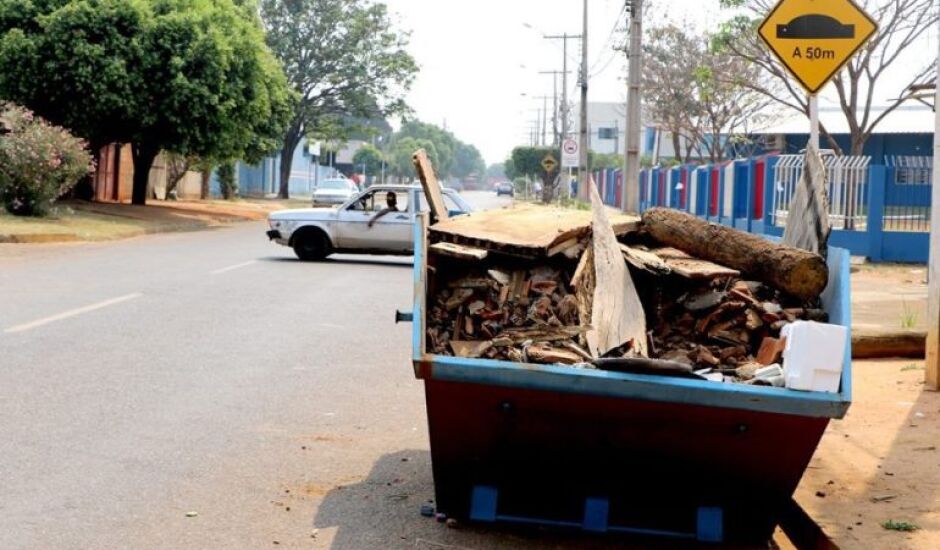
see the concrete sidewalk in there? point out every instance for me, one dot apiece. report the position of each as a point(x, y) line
point(889, 297)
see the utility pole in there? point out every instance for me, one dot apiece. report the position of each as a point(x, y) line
point(583, 167)
point(564, 78)
point(556, 139)
point(631, 161)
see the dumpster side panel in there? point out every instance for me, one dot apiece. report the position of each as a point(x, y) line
point(656, 462)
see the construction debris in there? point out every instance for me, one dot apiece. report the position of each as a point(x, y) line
point(539, 285)
point(798, 272)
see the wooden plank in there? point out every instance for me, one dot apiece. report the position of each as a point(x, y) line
point(617, 314)
point(432, 189)
point(880, 344)
point(645, 260)
point(459, 251)
point(529, 229)
point(682, 264)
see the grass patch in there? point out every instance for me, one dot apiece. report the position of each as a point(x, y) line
point(905, 526)
point(912, 366)
point(908, 317)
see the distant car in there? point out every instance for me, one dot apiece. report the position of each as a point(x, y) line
point(315, 233)
point(456, 185)
point(333, 191)
point(504, 188)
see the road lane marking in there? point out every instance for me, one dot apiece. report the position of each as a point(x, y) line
point(72, 313)
point(231, 267)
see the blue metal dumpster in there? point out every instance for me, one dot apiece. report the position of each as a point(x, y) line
point(614, 452)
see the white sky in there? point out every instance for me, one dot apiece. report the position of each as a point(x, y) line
point(477, 58)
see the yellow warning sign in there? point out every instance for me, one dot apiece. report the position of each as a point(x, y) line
point(549, 163)
point(814, 38)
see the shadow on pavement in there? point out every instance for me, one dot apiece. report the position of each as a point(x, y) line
point(387, 261)
point(383, 511)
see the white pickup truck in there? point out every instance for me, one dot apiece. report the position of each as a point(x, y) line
point(315, 233)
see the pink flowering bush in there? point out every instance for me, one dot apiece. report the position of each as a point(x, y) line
point(39, 162)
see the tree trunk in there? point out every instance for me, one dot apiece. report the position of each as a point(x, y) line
point(287, 161)
point(204, 187)
point(880, 344)
point(676, 146)
point(798, 272)
point(143, 155)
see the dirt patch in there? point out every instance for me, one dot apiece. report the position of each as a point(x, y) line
point(889, 297)
point(881, 463)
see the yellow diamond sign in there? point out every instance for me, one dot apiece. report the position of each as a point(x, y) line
point(549, 163)
point(815, 38)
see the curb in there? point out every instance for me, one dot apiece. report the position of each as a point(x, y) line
point(40, 238)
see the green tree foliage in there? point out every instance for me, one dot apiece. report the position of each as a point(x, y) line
point(39, 162)
point(368, 157)
point(450, 156)
point(192, 77)
point(496, 170)
point(345, 61)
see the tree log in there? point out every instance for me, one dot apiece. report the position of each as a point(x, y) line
point(883, 344)
point(798, 272)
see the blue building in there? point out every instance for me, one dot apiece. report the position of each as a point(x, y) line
point(904, 132)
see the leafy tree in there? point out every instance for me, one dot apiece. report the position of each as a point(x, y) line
point(701, 95)
point(187, 76)
point(496, 170)
point(451, 157)
point(468, 161)
point(344, 60)
point(902, 23)
point(401, 154)
point(527, 162)
point(369, 157)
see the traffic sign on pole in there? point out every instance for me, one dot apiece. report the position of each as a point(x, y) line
point(815, 39)
point(570, 153)
point(549, 163)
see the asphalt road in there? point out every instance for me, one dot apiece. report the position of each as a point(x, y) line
point(207, 390)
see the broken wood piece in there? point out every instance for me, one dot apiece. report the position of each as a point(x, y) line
point(617, 314)
point(645, 365)
point(795, 271)
point(432, 189)
point(645, 260)
point(470, 348)
point(562, 246)
point(528, 231)
point(499, 276)
point(685, 265)
point(459, 296)
point(543, 352)
point(459, 251)
point(540, 334)
point(472, 282)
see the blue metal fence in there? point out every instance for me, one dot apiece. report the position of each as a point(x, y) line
point(878, 211)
